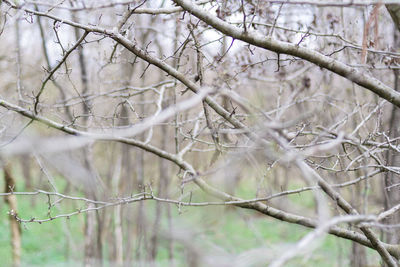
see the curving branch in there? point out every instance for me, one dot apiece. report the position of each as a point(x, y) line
point(143, 10)
point(394, 250)
point(51, 72)
point(280, 47)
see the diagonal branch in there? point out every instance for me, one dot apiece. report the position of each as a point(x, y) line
point(312, 56)
point(131, 46)
point(257, 206)
point(51, 73)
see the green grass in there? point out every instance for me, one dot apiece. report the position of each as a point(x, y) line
point(214, 229)
point(41, 243)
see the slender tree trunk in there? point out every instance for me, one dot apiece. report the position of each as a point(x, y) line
point(128, 181)
point(90, 238)
point(392, 195)
point(94, 222)
point(26, 171)
point(358, 253)
point(14, 225)
point(95, 219)
point(162, 189)
point(141, 215)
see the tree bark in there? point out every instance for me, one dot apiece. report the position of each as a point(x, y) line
point(14, 225)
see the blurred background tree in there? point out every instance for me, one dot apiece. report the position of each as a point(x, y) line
point(193, 133)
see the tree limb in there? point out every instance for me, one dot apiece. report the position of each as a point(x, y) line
point(315, 57)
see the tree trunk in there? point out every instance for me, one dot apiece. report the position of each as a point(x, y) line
point(14, 225)
point(392, 196)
